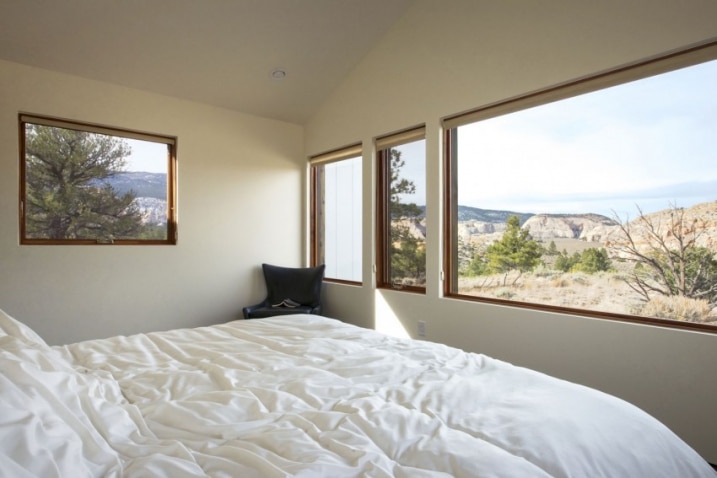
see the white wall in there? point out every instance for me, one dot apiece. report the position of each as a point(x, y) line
point(446, 57)
point(240, 180)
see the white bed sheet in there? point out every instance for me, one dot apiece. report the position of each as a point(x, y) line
point(310, 396)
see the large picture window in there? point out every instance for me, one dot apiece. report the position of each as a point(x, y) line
point(88, 184)
point(336, 217)
point(596, 201)
point(401, 211)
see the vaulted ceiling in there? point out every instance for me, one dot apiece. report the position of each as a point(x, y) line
point(219, 52)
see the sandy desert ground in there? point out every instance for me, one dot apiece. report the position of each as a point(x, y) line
point(604, 291)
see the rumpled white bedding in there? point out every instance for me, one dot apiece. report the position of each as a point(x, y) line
point(308, 396)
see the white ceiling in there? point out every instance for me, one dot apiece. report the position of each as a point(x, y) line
point(219, 52)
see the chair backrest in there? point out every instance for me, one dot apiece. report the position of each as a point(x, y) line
point(300, 284)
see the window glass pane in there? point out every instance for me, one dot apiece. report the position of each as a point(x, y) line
point(340, 219)
point(406, 248)
point(84, 186)
point(605, 202)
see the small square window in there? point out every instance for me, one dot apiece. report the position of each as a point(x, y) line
point(86, 184)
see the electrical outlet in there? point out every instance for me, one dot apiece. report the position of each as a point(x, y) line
point(421, 328)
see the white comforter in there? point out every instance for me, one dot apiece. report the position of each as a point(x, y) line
point(309, 396)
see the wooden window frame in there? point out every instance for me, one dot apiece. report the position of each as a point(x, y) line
point(664, 63)
point(383, 220)
point(170, 141)
point(316, 197)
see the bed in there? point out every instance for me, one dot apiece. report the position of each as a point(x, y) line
point(306, 395)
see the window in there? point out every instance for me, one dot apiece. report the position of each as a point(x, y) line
point(88, 184)
point(601, 204)
point(336, 217)
point(401, 207)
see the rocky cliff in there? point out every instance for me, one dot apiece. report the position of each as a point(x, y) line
point(588, 227)
point(699, 221)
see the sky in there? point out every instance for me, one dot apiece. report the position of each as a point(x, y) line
point(414, 156)
point(147, 156)
point(651, 143)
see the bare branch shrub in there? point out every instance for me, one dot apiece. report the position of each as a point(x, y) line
point(667, 260)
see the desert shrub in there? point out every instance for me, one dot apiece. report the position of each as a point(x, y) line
point(593, 260)
point(542, 271)
point(560, 281)
point(564, 262)
point(590, 261)
point(677, 307)
point(581, 279)
point(618, 277)
point(477, 266)
point(673, 264)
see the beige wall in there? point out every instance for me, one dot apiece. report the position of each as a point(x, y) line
point(446, 57)
point(240, 180)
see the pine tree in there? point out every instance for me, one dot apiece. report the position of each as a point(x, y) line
point(552, 249)
point(516, 250)
point(66, 197)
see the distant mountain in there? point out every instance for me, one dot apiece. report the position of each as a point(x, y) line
point(147, 185)
point(481, 226)
point(468, 213)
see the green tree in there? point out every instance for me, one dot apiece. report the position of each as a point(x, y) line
point(564, 262)
point(516, 250)
point(407, 251)
point(477, 266)
point(552, 249)
point(593, 260)
point(65, 194)
point(590, 261)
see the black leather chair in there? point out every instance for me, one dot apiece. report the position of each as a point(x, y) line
point(301, 286)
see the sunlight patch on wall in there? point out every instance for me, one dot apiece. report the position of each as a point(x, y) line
point(387, 321)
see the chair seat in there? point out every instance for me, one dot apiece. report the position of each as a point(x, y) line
point(262, 312)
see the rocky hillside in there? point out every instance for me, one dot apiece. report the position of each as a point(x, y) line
point(698, 221)
point(481, 227)
point(144, 185)
point(597, 229)
point(150, 190)
point(588, 227)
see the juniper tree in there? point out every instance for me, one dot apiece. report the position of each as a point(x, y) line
point(516, 250)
